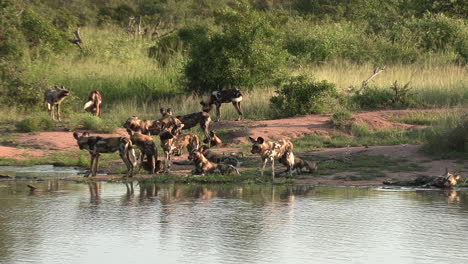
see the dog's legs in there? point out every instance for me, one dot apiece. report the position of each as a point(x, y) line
point(52, 109)
point(205, 126)
point(152, 161)
point(58, 112)
point(126, 159)
point(218, 112)
point(237, 105)
point(272, 170)
point(264, 165)
point(91, 162)
point(96, 164)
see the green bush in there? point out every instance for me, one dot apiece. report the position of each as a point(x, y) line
point(393, 96)
point(246, 52)
point(89, 122)
point(341, 119)
point(450, 135)
point(36, 123)
point(300, 96)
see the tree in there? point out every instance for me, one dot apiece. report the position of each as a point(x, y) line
point(246, 52)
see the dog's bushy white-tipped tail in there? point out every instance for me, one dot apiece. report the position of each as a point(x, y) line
point(88, 105)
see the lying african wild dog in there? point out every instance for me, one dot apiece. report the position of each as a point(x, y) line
point(204, 166)
point(269, 151)
point(191, 120)
point(148, 167)
point(446, 181)
point(214, 140)
point(147, 148)
point(93, 105)
point(97, 145)
point(54, 97)
point(217, 98)
point(218, 157)
point(299, 164)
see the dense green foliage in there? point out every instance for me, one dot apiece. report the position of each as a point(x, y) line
point(246, 52)
point(195, 46)
point(449, 136)
point(300, 96)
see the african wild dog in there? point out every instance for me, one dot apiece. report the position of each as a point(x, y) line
point(146, 127)
point(269, 151)
point(218, 157)
point(147, 148)
point(217, 98)
point(446, 181)
point(54, 97)
point(97, 145)
point(204, 166)
point(148, 167)
point(215, 140)
point(173, 145)
point(154, 127)
point(191, 120)
point(94, 102)
point(299, 164)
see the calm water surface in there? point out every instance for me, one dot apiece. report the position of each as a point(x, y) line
point(111, 223)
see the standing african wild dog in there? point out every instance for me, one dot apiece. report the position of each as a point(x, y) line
point(94, 102)
point(191, 120)
point(54, 97)
point(173, 145)
point(269, 151)
point(154, 127)
point(147, 148)
point(97, 145)
point(217, 98)
point(204, 166)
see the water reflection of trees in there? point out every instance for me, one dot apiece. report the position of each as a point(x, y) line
point(257, 194)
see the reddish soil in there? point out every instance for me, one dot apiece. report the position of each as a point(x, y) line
point(38, 144)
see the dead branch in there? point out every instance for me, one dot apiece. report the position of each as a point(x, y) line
point(377, 70)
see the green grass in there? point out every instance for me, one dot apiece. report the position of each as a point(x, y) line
point(367, 167)
point(361, 137)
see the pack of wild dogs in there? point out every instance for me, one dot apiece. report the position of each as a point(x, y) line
point(169, 128)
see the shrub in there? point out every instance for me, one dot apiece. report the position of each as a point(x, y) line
point(246, 52)
point(393, 96)
point(450, 135)
point(341, 120)
point(300, 96)
point(38, 122)
point(89, 122)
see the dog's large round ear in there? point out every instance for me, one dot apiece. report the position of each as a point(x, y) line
point(85, 134)
point(63, 87)
point(162, 110)
point(55, 87)
point(260, 140)
point(75, 135)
